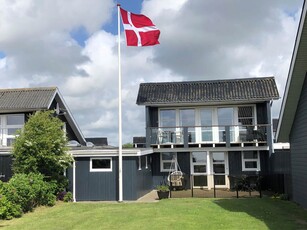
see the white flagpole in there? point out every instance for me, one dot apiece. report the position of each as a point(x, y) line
point(120, 150)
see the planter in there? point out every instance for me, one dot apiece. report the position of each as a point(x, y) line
point(163, 194)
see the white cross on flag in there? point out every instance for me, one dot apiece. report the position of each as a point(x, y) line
point(139, 29)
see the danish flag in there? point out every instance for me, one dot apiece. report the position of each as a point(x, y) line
point(139, 29)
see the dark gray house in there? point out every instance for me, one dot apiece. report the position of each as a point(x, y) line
point(15, 107)
point(95, 172)
point(212, 130)
point(293, 115)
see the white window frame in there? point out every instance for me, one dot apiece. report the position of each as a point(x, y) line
point(101, 169)
point(162, 169)
point(5, 127)
point(250, 160)
point(215, 126)
point(198, 163)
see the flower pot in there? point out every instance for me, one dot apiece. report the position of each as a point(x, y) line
point(163, 194)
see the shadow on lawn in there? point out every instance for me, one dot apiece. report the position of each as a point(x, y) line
point(276, 214)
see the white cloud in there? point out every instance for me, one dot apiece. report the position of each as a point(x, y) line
point(199, 40)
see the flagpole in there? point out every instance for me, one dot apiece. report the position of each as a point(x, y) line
point(120, 148)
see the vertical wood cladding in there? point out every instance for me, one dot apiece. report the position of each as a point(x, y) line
point(298, 141)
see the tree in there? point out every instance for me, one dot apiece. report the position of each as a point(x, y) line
point(128, 145)
point(40, 147)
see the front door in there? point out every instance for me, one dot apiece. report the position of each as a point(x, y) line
point(219, 162)
point(209, 169)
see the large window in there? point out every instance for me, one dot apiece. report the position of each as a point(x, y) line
point(206, 124)
point(9, 125)
point(168, 118)
point(187, 119)
point(218, 164)
point(101, 165)
point(168, 162)
point(250, 161)
point(225, 118)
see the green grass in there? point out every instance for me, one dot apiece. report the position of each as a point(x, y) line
point(191, 213)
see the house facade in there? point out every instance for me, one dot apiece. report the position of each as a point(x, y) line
point(16, 105)
point(94, 175)
point(211, 131)
point(292, 125)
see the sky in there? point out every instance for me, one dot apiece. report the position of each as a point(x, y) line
point(72, 44)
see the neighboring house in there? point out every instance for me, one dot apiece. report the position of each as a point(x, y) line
point(15, 107)
point(292, 125)
point(213, 131)
point(94, 175)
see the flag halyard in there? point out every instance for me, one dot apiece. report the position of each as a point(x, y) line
point(139, 29)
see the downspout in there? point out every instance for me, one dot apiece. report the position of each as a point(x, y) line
point(74, 180)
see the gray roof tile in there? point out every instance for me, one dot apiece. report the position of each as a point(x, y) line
point(250, 89)
point(26, 98)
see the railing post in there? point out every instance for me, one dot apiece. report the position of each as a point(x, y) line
point(185, 137)
point(227, 132)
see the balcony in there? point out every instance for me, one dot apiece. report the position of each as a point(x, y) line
point(236, 135)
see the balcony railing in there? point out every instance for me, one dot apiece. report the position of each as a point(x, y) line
point(208, 134)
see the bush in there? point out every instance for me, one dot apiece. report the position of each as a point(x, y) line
point(68, 197)
point(8, 210)
point(29, 191)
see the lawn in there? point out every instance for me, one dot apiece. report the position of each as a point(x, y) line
point(191, 213)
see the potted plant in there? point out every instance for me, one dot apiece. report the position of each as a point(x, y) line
point(162, 191)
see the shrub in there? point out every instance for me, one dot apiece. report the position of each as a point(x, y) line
point(68, 197)
point(60, 195)
point(9, 210)
point(41, 148)
point(29, 190)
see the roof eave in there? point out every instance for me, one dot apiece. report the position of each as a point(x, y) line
point(293, 86)
point(209, 102)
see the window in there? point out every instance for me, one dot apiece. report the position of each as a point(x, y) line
point(225, 118)
point(168, 118)
point(250, 161)
point(246, 115)
point(199, 162)
point(168, 162)
point(218, 164)
point(101, 165)
point(199, 168)
point(246, 121)
point(10, 124)
point(187, 119)
point(206, 123)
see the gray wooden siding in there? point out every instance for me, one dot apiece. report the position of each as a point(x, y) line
point(104, 185)
point(95, 185)
point(262, 116)
point(161, 177)
point(298, 141)
point(5, 167)
point(281, 171)
point(153, 117)
point(235, 166)
point(136, 182)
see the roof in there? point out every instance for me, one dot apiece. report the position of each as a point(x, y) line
point(22, 100)
point(295, 81)
point(30, 99)
point(98, 141)
point(217, 91)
